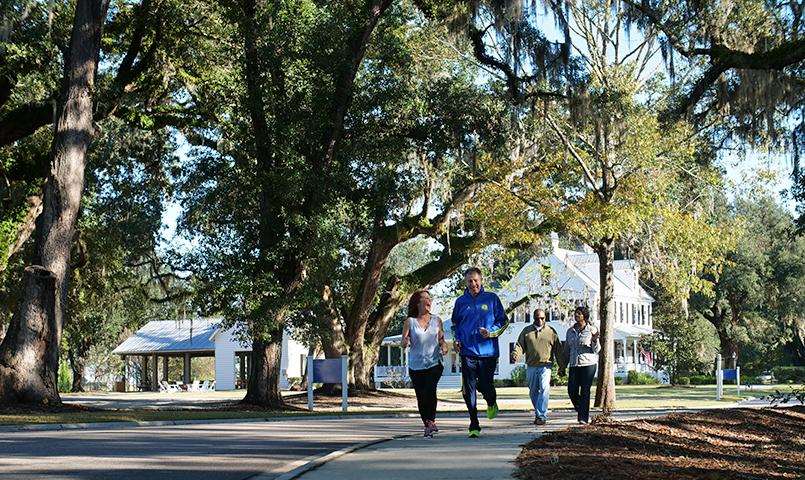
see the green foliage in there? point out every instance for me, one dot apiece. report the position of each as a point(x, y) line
point(639, 378)
point(682, 381)
point(702, 380)
point(518, 376)
point(620, 381)
point(789, 374)
point(65, 378)
point(682, 346)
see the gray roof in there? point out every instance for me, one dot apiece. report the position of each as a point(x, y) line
point(171, 336)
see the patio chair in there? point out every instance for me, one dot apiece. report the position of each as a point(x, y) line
point(194, 387)
point(205, 387)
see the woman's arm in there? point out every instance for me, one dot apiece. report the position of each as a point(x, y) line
point(406, 335)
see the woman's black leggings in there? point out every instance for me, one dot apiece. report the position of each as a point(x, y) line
point(425, 382)
point(579, 381)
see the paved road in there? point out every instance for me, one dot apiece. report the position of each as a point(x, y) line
point(202, 451)
point(450, 455)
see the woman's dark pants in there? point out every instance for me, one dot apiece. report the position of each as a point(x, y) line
point(579, 381)
point(425, 382)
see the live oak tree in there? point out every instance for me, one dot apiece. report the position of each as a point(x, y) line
point(53, 77)
point(595, 73)
point(29, 354)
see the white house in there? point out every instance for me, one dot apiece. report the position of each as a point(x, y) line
point(159, 341)
point(557, 282)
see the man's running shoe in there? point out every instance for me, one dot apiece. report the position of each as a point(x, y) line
point(474, 433)
point(492, 411)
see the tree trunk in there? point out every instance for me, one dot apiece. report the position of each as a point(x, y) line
point(605, 389)
point(729, 349)
point(361, 308)
point(392, 300)
point(264, 368)
point(77, 366)
point(29, 360)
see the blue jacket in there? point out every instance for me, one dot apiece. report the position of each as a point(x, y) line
point(470, 314)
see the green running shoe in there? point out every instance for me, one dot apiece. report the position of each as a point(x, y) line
point(492, 411)
point(474, 433)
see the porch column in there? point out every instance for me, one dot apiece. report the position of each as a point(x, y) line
point(125, 371)
point(145, 374)
point(388, 355)
point(165, 368)
point(186, 372)
point(634, 346)
point(155, 375)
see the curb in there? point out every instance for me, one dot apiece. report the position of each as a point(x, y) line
point(311, 463)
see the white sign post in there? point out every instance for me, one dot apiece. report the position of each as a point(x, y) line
point(328, 370)
point(719, 378)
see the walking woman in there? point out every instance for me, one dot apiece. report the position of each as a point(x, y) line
point(583, 348)
point(424, 333)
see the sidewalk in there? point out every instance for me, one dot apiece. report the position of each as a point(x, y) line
point(450, 455)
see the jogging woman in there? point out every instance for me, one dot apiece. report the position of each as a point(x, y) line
point(424, 333)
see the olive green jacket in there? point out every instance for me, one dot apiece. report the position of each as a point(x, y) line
point(540, 347)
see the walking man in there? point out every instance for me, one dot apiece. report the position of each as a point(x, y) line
point(540, 344)
point(478, 319)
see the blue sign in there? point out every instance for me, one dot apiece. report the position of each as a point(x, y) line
point(327, 370)
point(730, 374)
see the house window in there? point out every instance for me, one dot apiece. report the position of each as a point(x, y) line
point(642, 315)
point(527, 317)
point(634, 315)
point(621, 310)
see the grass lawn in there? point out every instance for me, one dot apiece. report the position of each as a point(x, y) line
point(383, 402)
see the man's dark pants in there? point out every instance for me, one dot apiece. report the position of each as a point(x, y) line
point(478, 375)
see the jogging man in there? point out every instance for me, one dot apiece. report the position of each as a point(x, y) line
point(478, 319)
point(540, 344)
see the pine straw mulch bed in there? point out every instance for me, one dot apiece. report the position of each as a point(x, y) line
point(726, 444)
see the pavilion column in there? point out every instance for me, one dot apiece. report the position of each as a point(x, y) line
point(155, 373)
point(242, 372)
point(186, 373)
point(125, 371)
point(165, 368)
point(145, 374)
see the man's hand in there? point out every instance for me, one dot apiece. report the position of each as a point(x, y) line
point(484, 332)
point(456, 346)
point(444, 348)
point(594, 339)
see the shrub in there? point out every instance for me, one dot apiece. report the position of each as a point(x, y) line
point(702, 379)
point(619, 380)
point(503, 382)
point(556, 379)
point(518, 377)
point(683, 381)
point(789, 374)
point(65, 378)
point(638, 378)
